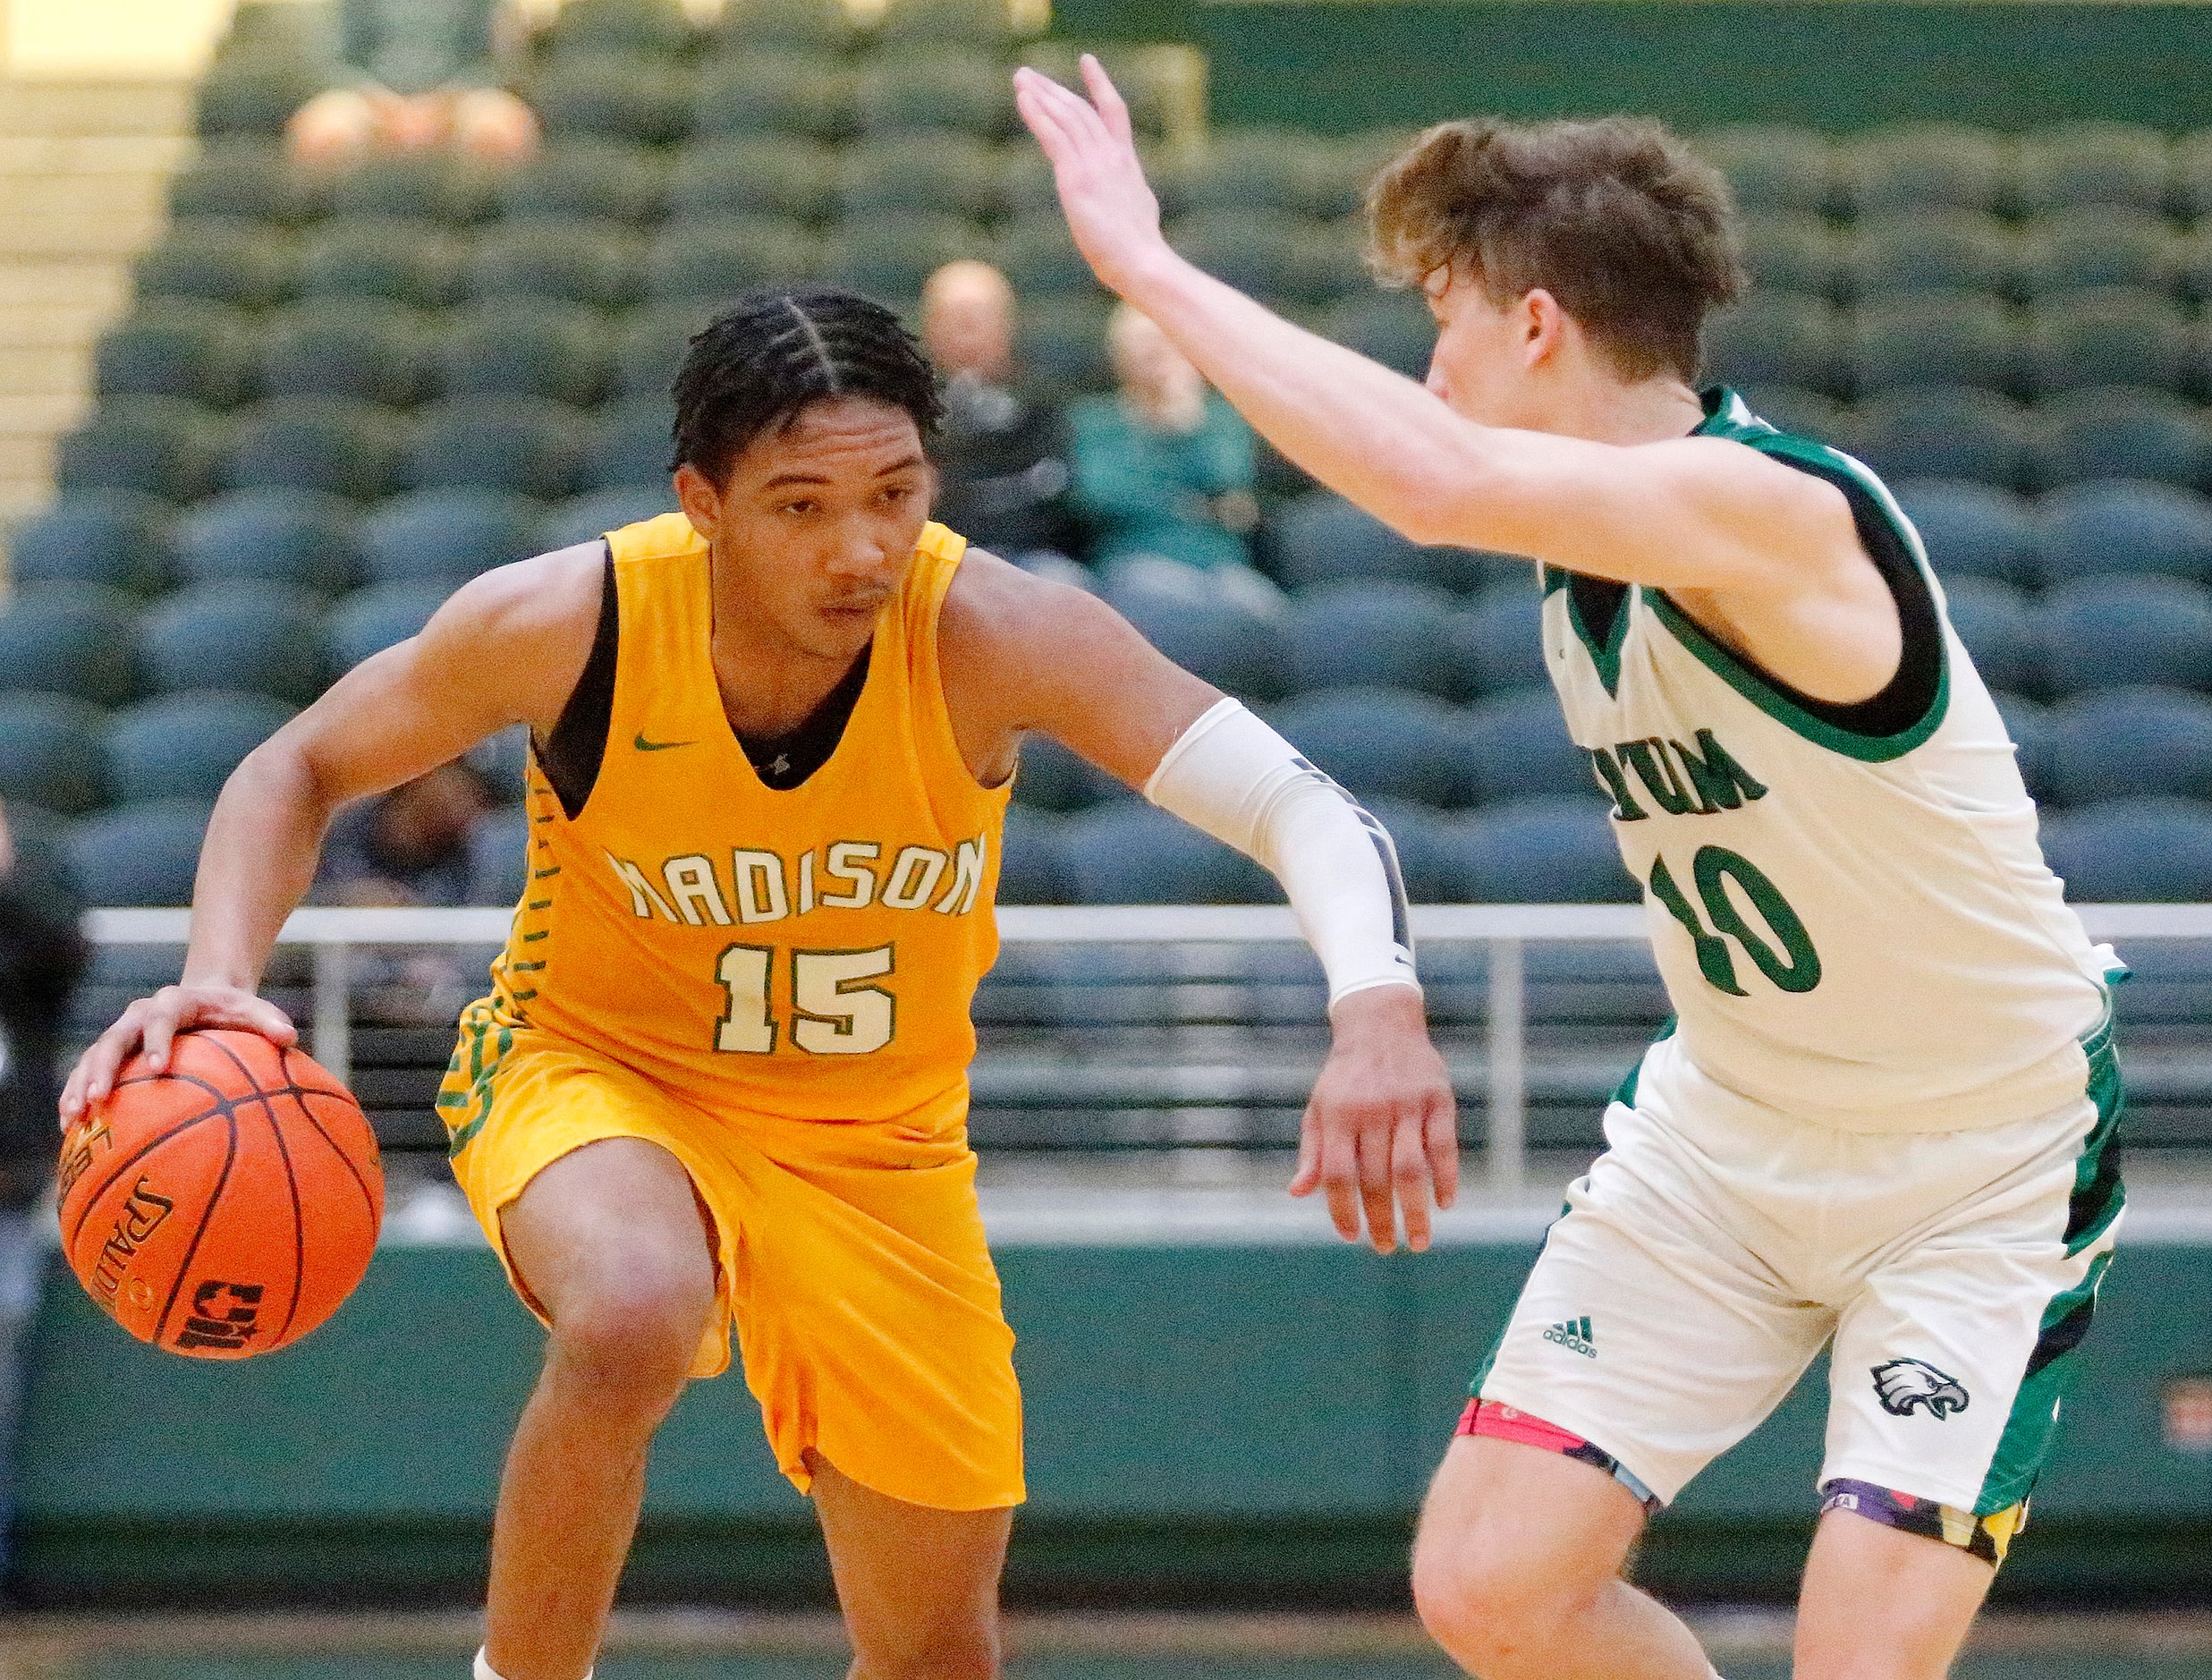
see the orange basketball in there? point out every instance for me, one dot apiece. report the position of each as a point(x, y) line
point(223, 1208)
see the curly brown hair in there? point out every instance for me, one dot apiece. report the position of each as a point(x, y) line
point(1632, 233)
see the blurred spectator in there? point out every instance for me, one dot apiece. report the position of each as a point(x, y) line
point(42, 957)
point(417, 844)
point(1001, 456)
point(412, 75)
point(1164, 465)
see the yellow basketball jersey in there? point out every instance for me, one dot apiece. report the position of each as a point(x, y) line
point(803, 955)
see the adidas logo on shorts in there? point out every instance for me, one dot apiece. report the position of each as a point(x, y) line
point(1574, 1335)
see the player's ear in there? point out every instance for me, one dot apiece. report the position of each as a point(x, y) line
point(1543, 325)
point(700, 499)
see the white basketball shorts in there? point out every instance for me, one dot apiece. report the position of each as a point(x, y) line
point(1718, 1244)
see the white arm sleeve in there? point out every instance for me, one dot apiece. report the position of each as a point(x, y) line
point(1233, 777)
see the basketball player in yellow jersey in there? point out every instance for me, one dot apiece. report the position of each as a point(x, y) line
point(720, 1080)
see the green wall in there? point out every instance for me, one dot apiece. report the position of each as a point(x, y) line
point(1201, 1421)
point(1344, 64)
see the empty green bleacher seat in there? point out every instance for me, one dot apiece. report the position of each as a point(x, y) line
point(1053, 778)
point(527, 446)
point(1945, 432)
point(977, 25)
point(1243, 169)
point(817, 25)
point(1774, 168)
point(1496, 643)
point(163, 446)
point(755, 174)
point(2100, 528)
point(371, 620)
point(316, 443)
point(1207, 622)
point(1127, 853)
point(644, 29)
point(1039, 256)
point(614, 97)
point(2113, 632)
point(360, 350)
point(221, 262)
point(1932, 249)
point(2118, 432)
point(1030, 869)
point(2118, 336)
point(1385, 742)
point(1538, 851)
point(1810, 414)
point(416, 263)
point(1255, 249)
point(2192, 174)
point(525, 347)
point(1328, 264)
point(631, 444)
point(1374, 633)
point(889, 255)
point(589, 180)
point(933, 89)
point(303, 538)
point(1323, 536)
point(1777, 338)
point(445, 536)
point(185, 746)
point(2151, 850)
point(929, 172)
point(74, 639)
point(180, 347)
point(118, 538)
point(595, 263)
point(715, 260)
point(774, 93)
point(251, 93)
point(1973, 531)
point(1932, 166)
point(1787, 252)
point(2028, 723)
point(52, 753)
point(2119, 742)
point(2119, 164)
point(2000, 631)
point(1518, 748)
point(1061, 341)
point(425, 186)
point(1394, 328)
point(587, 518)
point(652, 344)
point(2077, 249)
point(255, 638)
point(137, 854)
point(1955, 338)
point(249, 180)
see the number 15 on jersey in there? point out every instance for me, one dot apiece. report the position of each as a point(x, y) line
point(835, 1009)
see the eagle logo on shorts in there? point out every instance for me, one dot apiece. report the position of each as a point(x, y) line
point(1904, 1384)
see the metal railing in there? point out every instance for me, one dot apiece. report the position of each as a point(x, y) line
point(1505, 930)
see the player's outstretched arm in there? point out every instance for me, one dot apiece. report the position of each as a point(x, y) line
point(1690, 514)
point(1020, 654)
point(506, 649)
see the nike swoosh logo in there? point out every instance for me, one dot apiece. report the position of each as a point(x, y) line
point(643, 745)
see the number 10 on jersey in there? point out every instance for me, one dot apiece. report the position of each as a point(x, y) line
point(835, 1011)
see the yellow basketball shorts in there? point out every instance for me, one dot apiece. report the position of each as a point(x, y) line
point(852, 1261)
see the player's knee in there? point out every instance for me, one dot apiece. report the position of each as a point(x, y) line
point(1491, 1609)
point(634, 1329)
point(951, 1648)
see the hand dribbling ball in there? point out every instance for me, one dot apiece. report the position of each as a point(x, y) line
point(226, 1206)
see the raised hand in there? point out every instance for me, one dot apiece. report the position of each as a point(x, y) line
point(1381, 1133)
point(1103, 193)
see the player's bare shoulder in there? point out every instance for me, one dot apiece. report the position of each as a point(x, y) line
point(529, 624)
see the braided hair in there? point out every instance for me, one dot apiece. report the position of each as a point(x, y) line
point(777, 350)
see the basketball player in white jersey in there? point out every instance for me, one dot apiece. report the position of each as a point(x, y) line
point(1882, 1124)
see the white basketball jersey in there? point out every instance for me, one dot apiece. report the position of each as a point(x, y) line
point(1856, 928)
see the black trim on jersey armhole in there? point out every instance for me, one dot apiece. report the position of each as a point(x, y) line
point(1908, 694)
point(571, 755)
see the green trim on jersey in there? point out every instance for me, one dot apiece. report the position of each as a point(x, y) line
point(2096, 1200)
point(1729, 418)
point(1604, 651)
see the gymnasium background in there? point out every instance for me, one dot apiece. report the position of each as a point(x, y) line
point(1982, 235)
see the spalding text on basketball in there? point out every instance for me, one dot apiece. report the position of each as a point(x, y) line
point(141, 1217)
